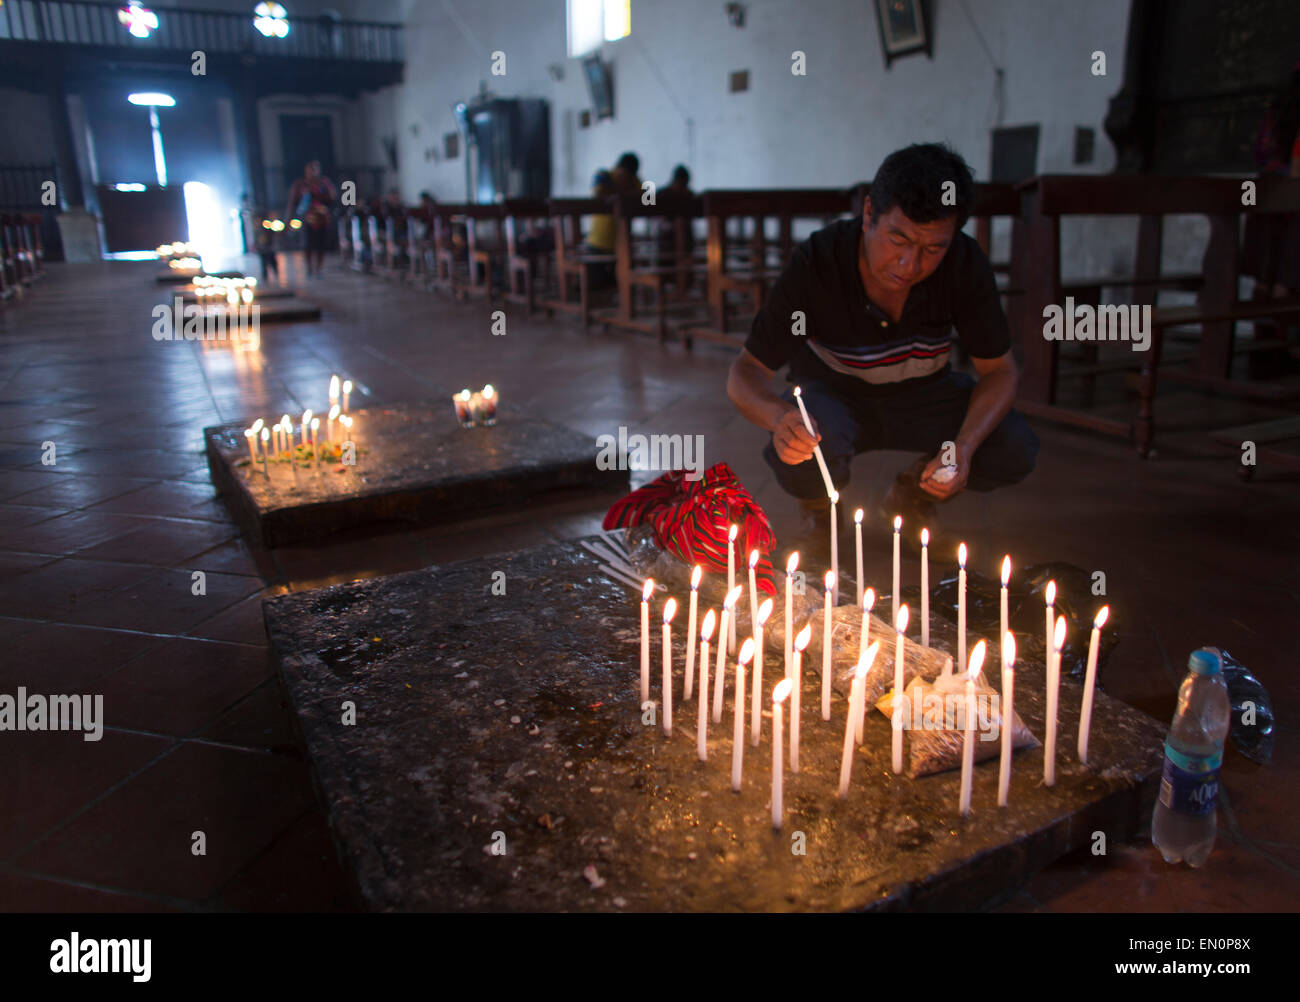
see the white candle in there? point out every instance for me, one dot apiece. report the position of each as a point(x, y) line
point(1053, 697)
point(266, 438)
point(315, 451)
point(647, 590)
point(925, 587)
point(347, 392)
point(346, 421)
point(800, 645)
point(868, 601)
point(835, 545)
point(702, 727)
point(286, 441)
point(817, 449)
point(898, 527)
point(756, 706)
point(1002, 596)
point(1049, 596)
point(1007, 713)
point(753, 588)
point(779, 695)
point(738, 714)
point(258, 425)
point(790, 566)
point(720, 670)
point(730, 629)
point(334, 389)
point(961, 604)
point(855, 705)
point(252, 449)
point(826, 647)
point(275, 439)
point(331, 418)
point(670, 610)
point(968, 740)
point(900, 641)
point(857, 540)
point(1089, 682)
point(690, 630)
point(306, 426)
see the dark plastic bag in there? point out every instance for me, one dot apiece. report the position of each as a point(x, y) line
point(1250, 700)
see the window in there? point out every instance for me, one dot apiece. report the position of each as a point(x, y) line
point(592, 22)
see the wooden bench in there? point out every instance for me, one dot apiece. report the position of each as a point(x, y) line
point(574, 266)
point(522, 255)
point(450, 267)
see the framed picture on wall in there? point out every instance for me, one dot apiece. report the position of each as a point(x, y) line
point(904, 28)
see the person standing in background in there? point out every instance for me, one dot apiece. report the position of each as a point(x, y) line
point(310, 199)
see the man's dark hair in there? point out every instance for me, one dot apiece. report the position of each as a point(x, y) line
point(912, 180)
point(629, 162)
point(680, 173)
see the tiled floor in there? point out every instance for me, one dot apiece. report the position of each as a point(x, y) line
point(97, 553)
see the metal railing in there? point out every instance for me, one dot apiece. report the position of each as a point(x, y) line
point(73, 22)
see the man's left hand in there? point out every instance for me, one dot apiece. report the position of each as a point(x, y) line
point(939, 490)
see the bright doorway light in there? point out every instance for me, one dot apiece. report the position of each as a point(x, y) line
point(205, 218)
point(151, 99)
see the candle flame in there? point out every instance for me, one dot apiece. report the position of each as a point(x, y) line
point(695, 576)
point(977, 660)
point(753, 559)
point(961, 556)
point(798, 392)
point(746, 654)
point(249, 433)
point(764, 611)
point(792, 563)
point(315, 423)
point(1006, 569)
point(868, 599)
point(306, 418)
point(865, 663)
point(347, 386)
point(898, 522)
point(257, 425)
point(464, 394)
point(1050, 594)
point(266, 434)
point(901, 625)
point(733, 597)
point(334, 387)
point(706, 628)
point(782, 691)
point(1008, 650)
point(334, 412)
point(835, 497)
point(925, 537)
point(284, 421)
point(670, 610)
point(1058, 635)
point(647, 589)
point(1103, 614)
point(802, 638)
point(857, 516)
point(489, 391)
point(733, 532)
point(830, 580)
point(346, 421)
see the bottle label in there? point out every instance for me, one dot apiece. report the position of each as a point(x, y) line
point(1190, 784)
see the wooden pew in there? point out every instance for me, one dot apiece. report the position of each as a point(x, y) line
point(574, 266)
point(485, 246)
point(450, 267)
point(1045, 200)
point(521, 256)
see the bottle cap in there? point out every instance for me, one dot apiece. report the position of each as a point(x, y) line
point(1204, 662)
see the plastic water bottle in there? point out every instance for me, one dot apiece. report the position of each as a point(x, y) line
point(1184, 823)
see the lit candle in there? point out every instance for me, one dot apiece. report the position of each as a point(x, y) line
point(898, 527)
point(779, 695)
point(720, 670)
point(306, 426)
point(857, 539)
point(334, 390)
point(346, 421)
point(868, 601)
point(1002, 597)
point(690, 631)
point(1049, 595)
point(315, 451)
point(232, 298)
point(790, 566)
point(925, 587)
point(753, 589)
point(488, 399)
point(731, 583)
point(835, 544)
point(900, 640)
point(756, 706)
point(800, 645)
point(461, 402)
point(1053, 697)
point(856, 699)
point(246, 295)
point(266, 438)
point(331, 418)
point(670, 609)
point(347, 392)
point(817, 449)
point(1089, 682)
point(961, 604)
point(286, 442)
point(826, 647)
point(1007, 712)
point(968, 740)
point(738, 712)
point(702, 728)
point(252, 449)
point(647, 590)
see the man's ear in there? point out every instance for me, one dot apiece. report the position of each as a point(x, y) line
point(866, 212)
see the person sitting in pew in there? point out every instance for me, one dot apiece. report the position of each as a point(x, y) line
point(622, 180)
point(862, 316)
point(677, 188)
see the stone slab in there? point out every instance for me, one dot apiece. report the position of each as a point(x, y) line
point(415, 466)
point(263, 293)
point(274, 311)
point(174, 276)
point(480, 713)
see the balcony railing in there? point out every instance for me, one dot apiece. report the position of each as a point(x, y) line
point(70, 22)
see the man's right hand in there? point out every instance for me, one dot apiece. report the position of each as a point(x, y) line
point(791, 440)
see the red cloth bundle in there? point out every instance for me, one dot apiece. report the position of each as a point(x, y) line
point(691, 520)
